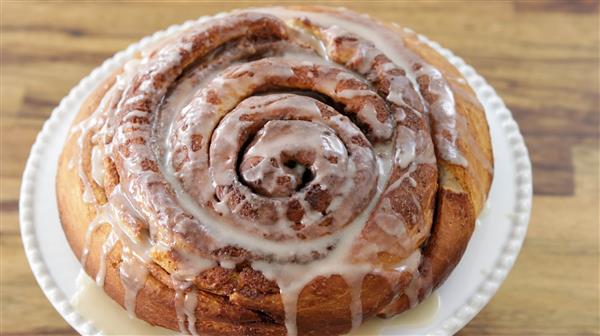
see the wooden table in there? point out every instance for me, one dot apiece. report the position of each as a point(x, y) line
point(542, 57)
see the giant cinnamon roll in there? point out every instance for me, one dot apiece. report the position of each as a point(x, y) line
point(275, 171)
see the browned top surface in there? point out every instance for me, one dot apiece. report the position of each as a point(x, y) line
point(542, 58)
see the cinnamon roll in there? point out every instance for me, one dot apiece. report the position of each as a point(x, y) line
point(275, 171)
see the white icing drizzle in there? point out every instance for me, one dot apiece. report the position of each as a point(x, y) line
point(444, 113)
point(410, 265)
point(133, 272)
point(108, 245)
point(134, 253)
point(189, 307)
point(179, 303)
point(292, 278)
point(85, 129)
point(245, 139)
point(391, 44)
point(97, 165)
point(356, 313)
point(388, 220)
point(186, 301)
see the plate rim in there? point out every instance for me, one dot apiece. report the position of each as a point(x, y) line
point(458, 319)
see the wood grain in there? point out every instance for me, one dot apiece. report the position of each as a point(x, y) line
point(542, 57)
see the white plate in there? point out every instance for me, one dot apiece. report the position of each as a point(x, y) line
point(488, 259)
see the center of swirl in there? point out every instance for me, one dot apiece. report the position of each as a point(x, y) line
point(284, 156)
point(283, 166)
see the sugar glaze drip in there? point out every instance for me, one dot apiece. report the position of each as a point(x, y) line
point(203, 106)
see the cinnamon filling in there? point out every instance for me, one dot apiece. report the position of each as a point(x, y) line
point(296, 148)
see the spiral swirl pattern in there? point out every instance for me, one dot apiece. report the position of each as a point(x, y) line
point(275, 165)
point(296, 150)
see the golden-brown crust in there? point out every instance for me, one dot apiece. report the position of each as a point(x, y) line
point(476, 178)
point(155, 301)
point(463, 190)
point(241, 301)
